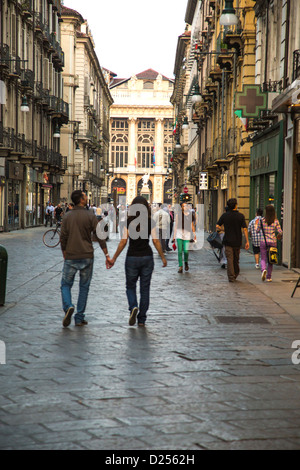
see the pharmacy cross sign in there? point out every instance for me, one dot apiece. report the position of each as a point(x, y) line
point(251, 101)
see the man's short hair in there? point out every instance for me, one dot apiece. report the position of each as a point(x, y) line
point(259, 212)
point(231, 203)
point(76, 196)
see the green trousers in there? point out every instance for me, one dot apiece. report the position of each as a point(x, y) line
point(183, 245)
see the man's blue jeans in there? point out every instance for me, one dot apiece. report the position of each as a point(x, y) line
point(139, 267)
point(85, 268)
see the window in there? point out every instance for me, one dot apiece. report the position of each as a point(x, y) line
point(145, 156)
point(148, 85)
point(119, 143)
point(119, 124)
point(119, 151)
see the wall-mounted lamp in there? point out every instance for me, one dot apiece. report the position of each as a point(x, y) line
point(185, 124)
point(77, 148)
point(178, 144)
point(196, 96)
point(56, 134)
point(228, 17)
point(24, 105)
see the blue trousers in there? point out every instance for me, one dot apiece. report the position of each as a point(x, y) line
point(139, 267)
point(85, 268)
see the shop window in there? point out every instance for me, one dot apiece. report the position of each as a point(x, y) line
point(272, 179)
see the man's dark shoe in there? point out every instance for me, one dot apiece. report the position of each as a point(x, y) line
point(82, 323)
point(68, 316)
point(132, 318)
point(186, 266)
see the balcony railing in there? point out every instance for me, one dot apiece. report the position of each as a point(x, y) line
point(10, 140)
point(296, 65)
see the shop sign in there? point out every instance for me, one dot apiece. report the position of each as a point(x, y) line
point(260, 163)
point(203, 181)
point(15, 171)
point(224, 180)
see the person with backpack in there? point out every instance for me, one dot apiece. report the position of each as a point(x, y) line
point(270, 230)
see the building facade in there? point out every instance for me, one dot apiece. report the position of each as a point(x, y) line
point(31, 109)
point(141, 128)
point(275, 162)
point(86, 138)
point(216, 64)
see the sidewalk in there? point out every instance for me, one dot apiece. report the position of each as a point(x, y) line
point(280, 290)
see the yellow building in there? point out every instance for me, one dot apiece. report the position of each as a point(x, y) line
point(218, 62)
point(141, 128)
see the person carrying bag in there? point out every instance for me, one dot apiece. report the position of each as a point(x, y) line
point(268, 245)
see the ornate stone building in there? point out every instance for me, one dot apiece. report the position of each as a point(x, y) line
point(86, 138)
point(32, 108)
point(141, 136)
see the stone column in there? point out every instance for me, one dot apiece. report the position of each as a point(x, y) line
point(132, 144)
point(159, 145)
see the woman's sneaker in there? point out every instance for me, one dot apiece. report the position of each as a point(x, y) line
point(264, 275)
point(132, 318)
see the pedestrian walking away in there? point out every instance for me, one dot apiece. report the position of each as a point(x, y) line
point(255, 236)
point(270, 230)
point(183, 229)
point(233, 222)
point(139, 262)
point(78, 225)
point(162, 220)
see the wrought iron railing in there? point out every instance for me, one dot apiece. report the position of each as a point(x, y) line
point(296, 65)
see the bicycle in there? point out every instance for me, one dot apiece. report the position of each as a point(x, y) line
point(51, 238)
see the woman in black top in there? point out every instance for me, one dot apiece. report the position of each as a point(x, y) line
point(139, 262)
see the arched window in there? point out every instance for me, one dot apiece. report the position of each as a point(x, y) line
point(148, 85)
point(145, 151)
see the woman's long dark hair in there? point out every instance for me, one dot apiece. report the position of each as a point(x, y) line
point(270, 214)
point(142, 200)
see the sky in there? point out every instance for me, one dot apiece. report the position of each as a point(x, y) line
point(134, 35)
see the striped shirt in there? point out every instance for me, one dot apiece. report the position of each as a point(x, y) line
point(256, 236)
point(270, 231)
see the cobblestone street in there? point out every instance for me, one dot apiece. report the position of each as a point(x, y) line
point(212, 370)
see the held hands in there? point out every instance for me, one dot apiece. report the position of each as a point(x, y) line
point(109, 262)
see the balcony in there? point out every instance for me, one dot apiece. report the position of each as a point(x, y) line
point(26, 8)
point(296, 65)
point(14, 67)
point(94, 178)
point(59, 108)
point(11, 144)
point(4, 57)
point(27, 79)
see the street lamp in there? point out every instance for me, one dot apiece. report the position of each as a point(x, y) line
point(228, 17)
point(196, 97)
point(56, 134)
point(178, 144)
point(185, 124)
point(24, 105)
point(77, 149)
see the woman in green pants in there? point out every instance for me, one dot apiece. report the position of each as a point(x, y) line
point(184, 226)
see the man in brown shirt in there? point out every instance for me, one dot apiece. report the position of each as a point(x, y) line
point(76, 243)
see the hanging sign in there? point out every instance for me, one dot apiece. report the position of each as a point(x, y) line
point(203, 181)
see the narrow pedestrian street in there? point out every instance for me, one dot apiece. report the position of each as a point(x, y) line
point(212, 370)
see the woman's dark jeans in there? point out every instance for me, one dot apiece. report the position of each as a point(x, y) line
point(139, 267)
